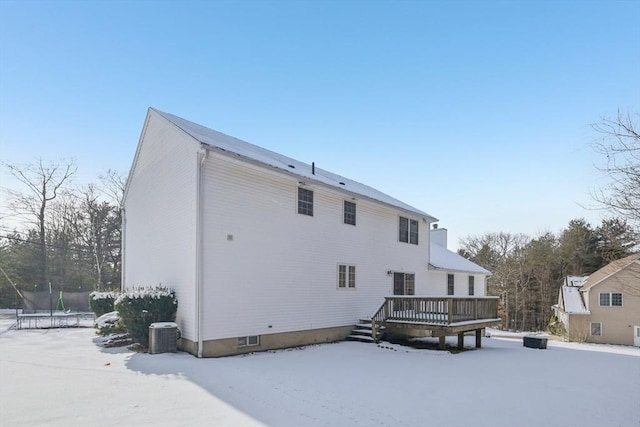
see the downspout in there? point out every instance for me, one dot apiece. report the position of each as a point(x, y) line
point(123, 245)
point(203, 154)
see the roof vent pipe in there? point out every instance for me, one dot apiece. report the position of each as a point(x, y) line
point(313, 168)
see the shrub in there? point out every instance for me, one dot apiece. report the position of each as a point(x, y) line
point(102, 302)
point(109, 323)
point(139, 308)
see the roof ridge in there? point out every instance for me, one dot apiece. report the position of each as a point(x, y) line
point(265, 157)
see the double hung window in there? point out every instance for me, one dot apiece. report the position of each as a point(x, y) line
point(450, 284)
point(408, 230)
point(349, 213)
point(305, 201)
point(346, 276)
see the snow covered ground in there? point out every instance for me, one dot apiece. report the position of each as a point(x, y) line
point(61, 377)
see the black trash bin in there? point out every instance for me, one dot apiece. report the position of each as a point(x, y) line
point(535, 342)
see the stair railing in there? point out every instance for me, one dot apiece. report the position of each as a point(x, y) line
point(378, 318)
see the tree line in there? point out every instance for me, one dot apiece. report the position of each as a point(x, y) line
point(69, 237)
point(57, 234)
point(527, 273)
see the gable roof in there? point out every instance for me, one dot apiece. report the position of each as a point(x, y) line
point(442, 258)
point(608, 271)
point(308, 173)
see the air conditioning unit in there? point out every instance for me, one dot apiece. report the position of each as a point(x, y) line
point(163, 337)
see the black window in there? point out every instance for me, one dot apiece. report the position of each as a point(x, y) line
point(408, 230)
point(472, 280)
point(305, 201)
point(450, 284)
point(404, 229)
point(349, 213)
point(413, 232)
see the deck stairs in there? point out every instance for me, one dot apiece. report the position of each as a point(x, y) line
point(363, 331)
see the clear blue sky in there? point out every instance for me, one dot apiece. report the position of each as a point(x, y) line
point(476, 112)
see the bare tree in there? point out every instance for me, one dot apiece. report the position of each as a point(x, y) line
point(620, 144)
point(502, 254)
point(113, 183)
point(97, 227)
point(44, 183)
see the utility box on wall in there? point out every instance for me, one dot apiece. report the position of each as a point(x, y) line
point(163, 337)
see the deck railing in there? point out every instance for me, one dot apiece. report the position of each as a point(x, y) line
point(441, 311)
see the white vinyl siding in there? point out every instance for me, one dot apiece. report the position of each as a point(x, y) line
point(280, 269)
point(160, 215)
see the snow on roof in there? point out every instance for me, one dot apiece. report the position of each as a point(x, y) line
point(575, 280)
point(444, 259)
point(253, 153)
point(573, 302)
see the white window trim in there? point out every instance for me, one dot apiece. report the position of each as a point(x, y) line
point(355, 214)
point(409, 220)
point(610, 299)
point(246, 341)
point(347, 268)
point(453, 284)
point(313, 203)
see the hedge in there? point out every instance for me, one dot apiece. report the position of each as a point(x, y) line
point(140, 307)
point(102, 302)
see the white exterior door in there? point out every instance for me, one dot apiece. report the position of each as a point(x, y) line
point(636, 336)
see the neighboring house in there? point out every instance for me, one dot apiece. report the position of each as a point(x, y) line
point(265, 251)
point(605, 306)
point(452, 274)
point(571, 311)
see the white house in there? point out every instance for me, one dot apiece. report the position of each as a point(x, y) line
point(263, 251)
point(452, 274)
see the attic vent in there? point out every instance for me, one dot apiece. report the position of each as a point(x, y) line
point(341, 183)
point(291, 166)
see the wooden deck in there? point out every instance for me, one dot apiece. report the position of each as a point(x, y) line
point(436, 316)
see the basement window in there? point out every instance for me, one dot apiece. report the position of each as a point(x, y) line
point(249, 341)
point(596, 328)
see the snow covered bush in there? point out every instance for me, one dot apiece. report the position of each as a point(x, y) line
point(140, 307)
point(102, 302)
point(109, 323)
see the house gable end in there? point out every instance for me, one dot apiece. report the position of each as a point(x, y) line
point(248, 152)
